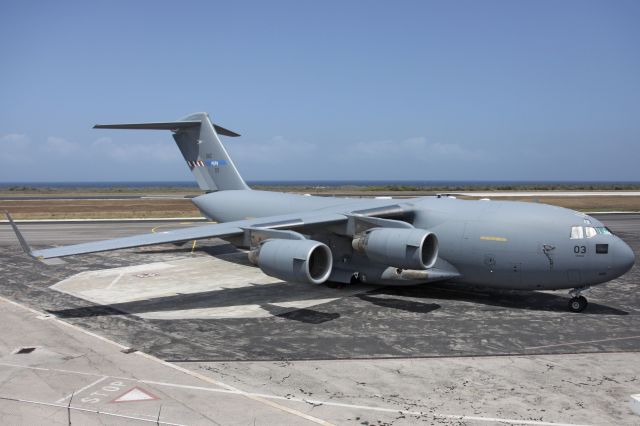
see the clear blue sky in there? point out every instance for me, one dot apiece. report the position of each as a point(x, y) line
point(454, 90)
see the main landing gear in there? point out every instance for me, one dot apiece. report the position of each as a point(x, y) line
point(578, 303)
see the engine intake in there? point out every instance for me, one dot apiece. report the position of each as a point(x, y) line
point(305, 261)
point(399, 247)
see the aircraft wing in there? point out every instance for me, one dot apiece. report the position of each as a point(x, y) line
point(186, 234)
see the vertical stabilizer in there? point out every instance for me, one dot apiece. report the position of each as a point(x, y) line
point(198, 141)
point(206, 157)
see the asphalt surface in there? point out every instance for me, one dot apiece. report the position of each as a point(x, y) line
point(56, 374)
point(425, 321)
point(360, 355)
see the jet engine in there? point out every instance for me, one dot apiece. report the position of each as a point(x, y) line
point(399, 247)
point(305, 261)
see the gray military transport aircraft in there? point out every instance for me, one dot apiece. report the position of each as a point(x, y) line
point(502, 244)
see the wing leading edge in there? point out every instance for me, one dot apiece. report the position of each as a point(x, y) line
point(181, 235)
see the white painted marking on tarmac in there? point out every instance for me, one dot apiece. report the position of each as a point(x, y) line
point(184, 370)
point(88, 410)
point(583, 343)
point(88, 333)
point(62, 370)
point(6, 364)
point(120, 285)
point(190, 387)
point(81, 389)
point(419, 413)
point(59, 321)
point(115, 280)
point(364, 407)
point(233, 391)
point(266, 399)
point(149, 382)
point(136, 394)
point(2, 299)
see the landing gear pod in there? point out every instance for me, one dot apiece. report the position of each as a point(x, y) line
point(401, 248)
point(304, 261)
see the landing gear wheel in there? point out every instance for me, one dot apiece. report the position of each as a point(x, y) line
point(577, 304)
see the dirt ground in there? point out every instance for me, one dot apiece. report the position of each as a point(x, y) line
point(99, 209)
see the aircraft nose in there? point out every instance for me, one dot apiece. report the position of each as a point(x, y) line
point(623, 258)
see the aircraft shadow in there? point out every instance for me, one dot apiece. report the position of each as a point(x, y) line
point(267, 296)
point(305, 315)
point(525, 300)
point(400, 304)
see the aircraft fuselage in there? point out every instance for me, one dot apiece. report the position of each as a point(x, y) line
point(503, 244)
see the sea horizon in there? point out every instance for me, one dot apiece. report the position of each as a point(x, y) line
point(316, 183)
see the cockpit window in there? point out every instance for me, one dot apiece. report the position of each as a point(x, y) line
point(603, 230)
point(577, 233)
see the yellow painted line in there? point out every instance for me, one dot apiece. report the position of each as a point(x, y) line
point(502, 239)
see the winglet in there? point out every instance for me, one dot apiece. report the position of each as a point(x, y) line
point(23, 242)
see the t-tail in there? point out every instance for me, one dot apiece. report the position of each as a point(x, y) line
point(198, 140)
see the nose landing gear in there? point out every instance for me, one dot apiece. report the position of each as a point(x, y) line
point(578, 303)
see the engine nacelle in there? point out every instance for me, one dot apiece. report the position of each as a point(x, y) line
point(399, 247)
point(305, 261)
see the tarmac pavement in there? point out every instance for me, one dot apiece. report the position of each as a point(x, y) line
point(220, 343)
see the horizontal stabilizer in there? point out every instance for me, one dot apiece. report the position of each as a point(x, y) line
point(174, 126)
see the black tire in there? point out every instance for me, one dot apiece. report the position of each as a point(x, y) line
point(578, 304)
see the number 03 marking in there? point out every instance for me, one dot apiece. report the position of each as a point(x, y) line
point(579, 249)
